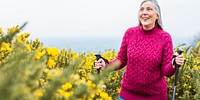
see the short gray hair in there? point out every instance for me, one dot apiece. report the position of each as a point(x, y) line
point(158, 22)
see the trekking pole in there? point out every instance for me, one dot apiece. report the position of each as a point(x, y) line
point(97, 58)
point(176, 74)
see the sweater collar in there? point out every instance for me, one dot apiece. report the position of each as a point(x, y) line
point(148, 32)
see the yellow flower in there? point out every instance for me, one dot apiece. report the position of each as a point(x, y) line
point(54, 52)
point(184, 85)
point(195, 67)
point(38, 93)
point(83, 79)
point(1, 32)
point(199, 44)
point(82, 71)
point(75, 56)
point(90, 85)
point(66, 94)
point(188, 67)
point(87, 66)
point(5, 47)
point(23, 37)
point(92, 95)
point(188, 76)
point(51, 63)
point(41, 80)
point(9, 30)
point(39, 55)
point(98, 92)
point(117, 74)
point(168, 79)
point(67, 86)
point(13, 29)
point(28, 47)
point(118, 89)
point(105, 96)
point(177, 48)
point(60, 91)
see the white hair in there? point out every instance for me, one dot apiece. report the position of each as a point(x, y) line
point(158, 22)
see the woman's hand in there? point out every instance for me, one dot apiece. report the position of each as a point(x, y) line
point(179, 59)
point(100, 64)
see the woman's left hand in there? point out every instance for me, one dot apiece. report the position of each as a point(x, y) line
point(179, 60)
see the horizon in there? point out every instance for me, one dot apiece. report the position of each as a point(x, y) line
point(91, 44)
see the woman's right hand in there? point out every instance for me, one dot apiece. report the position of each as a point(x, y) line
point(100, 64)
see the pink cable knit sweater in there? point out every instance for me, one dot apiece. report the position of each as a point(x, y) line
point(147, 56)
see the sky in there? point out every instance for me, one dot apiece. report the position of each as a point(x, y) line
point(95, 18)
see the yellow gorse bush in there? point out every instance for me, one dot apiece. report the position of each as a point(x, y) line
point(23, 37)
point(1, 31)
point(5, 47)
point(49, 73)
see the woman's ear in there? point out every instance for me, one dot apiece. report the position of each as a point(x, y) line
point(157, 16)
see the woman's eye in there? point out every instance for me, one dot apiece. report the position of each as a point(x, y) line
point(149, 9)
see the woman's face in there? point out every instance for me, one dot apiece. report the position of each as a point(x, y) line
point(147, 15)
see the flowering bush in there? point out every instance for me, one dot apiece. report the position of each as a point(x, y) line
point(30, 71)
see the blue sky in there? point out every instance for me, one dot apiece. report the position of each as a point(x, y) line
point(95, 18)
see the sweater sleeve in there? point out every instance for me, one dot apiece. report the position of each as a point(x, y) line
point(122, 54)
point(166, 65)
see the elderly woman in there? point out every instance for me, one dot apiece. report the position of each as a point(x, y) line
point(146, 51)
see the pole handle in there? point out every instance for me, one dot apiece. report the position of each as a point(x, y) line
point(97, 58)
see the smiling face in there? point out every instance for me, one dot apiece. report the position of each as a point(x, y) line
point(147, 15)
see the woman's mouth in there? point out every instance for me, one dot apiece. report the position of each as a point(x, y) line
point(145, 18)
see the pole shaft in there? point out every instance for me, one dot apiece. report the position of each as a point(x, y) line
point(174, 93)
